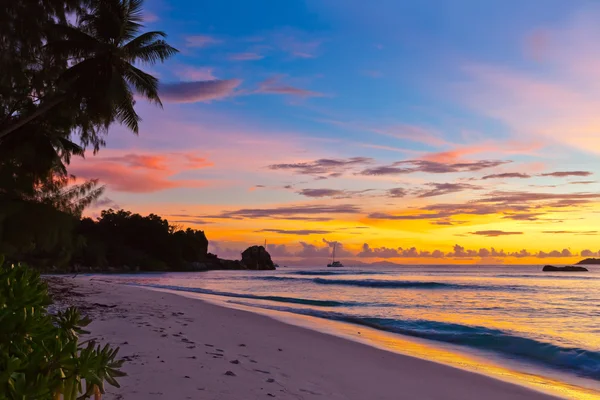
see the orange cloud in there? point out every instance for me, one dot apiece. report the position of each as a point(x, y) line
point(140, 173)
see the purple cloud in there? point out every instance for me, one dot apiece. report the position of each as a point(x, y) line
point(432, 167)
point(440, 189)
point(562, 174)
point(300, 212)
point(198, 91)
point(245, 56)
point(323, 166)
point(507, 175)
point(495, 233)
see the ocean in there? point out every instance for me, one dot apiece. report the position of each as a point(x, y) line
point(541, 329)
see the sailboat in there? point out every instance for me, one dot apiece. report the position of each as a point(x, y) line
point(334, 264)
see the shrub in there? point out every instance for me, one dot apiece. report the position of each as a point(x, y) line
point(40, 354)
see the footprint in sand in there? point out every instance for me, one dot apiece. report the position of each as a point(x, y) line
point(262, 372)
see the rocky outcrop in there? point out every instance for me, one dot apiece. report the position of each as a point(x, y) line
point(568, 268)
point(589, 261)
point(257, 258)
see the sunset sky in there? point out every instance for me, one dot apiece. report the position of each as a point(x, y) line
point(423, 131)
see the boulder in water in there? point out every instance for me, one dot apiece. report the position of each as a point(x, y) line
point(256, 257)
point(568, 268)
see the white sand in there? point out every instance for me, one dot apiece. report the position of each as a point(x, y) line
point(182, 348)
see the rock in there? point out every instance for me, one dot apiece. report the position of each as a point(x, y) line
point(590, 261)
point(568, 268)
point(257, 258)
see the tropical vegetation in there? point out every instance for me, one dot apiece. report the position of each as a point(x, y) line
point(69, 70)
point(41, 356)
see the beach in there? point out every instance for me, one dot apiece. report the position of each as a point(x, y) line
point(183, 348)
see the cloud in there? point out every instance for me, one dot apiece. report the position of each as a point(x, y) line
point(507, 175)
point(378, 252)
point(278, 250)
point(582, 182)
point(310, 251)
point(195, 73)
point(193, 221)
point(220, 250)
point(440, 189)
point(198, 91)
point(323, 166)
point(457, 252)
point(589, 253)
point(397, 192)
point(432, 167)
point(272, 86)
point(120, 178)
point(299, 212)
point(562, 174)
point(494, 233)
point(555, 253)
point(523, 216)
point(321, 192)
point(515, 205)
point(245, 57)
point(146, 161)
point(140, 173)
point(299, 232)
point(334, 193)
point(201, 41)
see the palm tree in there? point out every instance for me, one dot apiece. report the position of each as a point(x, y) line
point(102, 80)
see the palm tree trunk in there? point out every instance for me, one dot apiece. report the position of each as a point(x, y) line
point(44, 108)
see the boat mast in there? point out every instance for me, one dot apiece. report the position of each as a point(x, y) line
point(333, 254)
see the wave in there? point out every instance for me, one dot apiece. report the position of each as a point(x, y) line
point(580, 361)
point(334, 273)
point(546, 276)
point(391, 284)
point(281, 299)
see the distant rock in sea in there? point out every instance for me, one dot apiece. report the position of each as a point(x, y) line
point(257, 257)
point(568, 268)
point(589, 261)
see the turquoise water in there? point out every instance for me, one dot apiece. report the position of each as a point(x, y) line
point(545, 323)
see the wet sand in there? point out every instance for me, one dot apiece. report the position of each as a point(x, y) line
point(182, 348)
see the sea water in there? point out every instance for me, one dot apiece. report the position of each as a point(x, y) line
point(544, 326)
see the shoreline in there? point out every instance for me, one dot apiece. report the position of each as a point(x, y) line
point(537, 378)
point(178, 347)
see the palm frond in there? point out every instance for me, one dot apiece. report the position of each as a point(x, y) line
point(76, 42)
point(144, 39)
point(143, 83)
point(124, 111)
point(152, 53)
point(132, 18)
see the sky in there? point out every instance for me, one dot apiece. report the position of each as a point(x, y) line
point(420, 131)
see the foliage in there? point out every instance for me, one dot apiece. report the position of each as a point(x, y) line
point(76, 59)
point(40, 354)
point(121, 238)
point(68, 72)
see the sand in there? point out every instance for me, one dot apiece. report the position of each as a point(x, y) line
point(183, 348)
